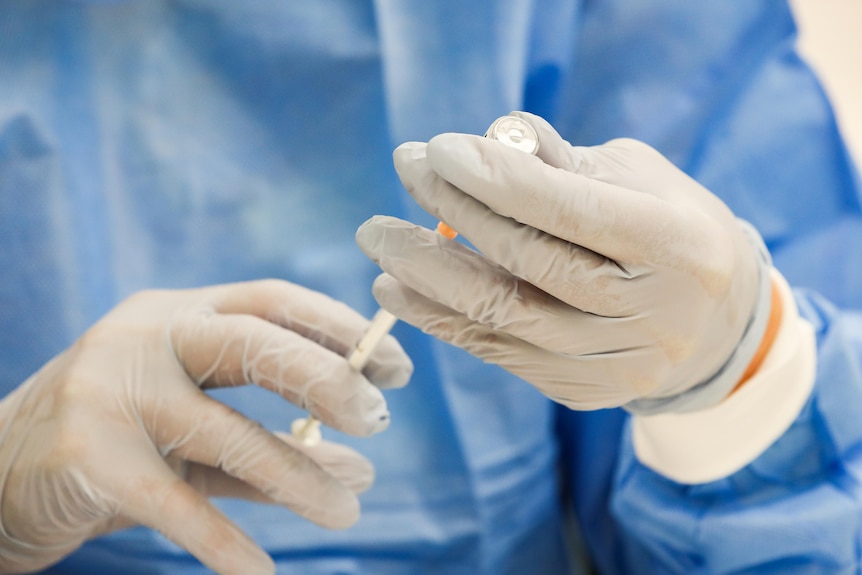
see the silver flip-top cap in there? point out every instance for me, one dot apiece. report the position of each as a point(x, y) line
point(514, 132)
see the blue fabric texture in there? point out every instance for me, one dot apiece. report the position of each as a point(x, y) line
point(173, 144)
point(794, 510)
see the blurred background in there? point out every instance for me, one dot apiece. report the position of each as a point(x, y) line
point(831, 41)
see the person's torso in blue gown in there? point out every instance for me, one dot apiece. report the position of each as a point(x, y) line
point(177, 144)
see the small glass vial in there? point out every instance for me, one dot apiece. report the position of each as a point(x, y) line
point(515, 133)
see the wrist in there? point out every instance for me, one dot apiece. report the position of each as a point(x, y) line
point(753, 341)
point(776, 312)
point(705, 445)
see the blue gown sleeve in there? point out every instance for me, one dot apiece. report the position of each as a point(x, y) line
point(739, 111)
point(796, 509)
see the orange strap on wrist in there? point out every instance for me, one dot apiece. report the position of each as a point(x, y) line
point(775, 313)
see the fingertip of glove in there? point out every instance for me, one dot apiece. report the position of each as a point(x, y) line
point(404, 374)
point(389, 293)
point(372, 411)
point(342, 508)
point(363, 480)
point(260, 564)
point(408, 151)
point(447, 144)
point(394, 374)
point(356, 473)
point(369, 236)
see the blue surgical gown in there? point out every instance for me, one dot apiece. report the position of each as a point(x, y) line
point(189, 142)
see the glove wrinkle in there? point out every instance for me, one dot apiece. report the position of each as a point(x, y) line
point(118, 431)
point(603, 275)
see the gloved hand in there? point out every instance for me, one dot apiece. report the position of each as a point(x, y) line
point(117, 431)
point(605, 276)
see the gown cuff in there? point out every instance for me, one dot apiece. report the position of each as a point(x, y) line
point(706, 445)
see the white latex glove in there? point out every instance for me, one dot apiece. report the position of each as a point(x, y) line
point(117, 431)
point(605, 276)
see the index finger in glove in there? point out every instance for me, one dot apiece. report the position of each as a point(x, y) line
point(319, 318)
point(227, 350)
point(578, 276)
point(625, 225)
point(463, 280)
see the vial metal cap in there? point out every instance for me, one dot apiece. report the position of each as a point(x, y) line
point(514, 132)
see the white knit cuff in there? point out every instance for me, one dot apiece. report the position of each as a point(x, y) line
point(712, 443)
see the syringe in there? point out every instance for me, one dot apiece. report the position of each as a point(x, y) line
point(510, 130)
point(307, 429)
